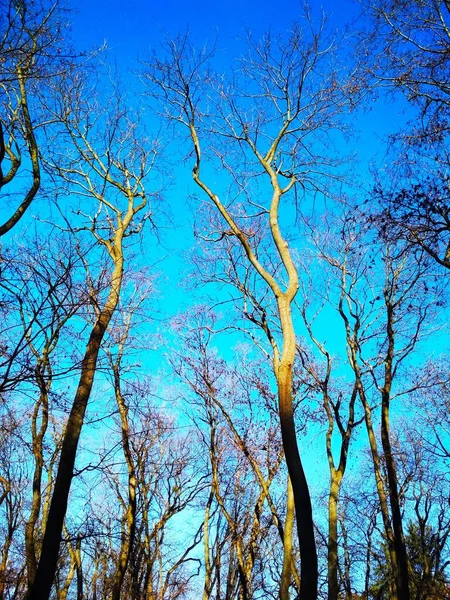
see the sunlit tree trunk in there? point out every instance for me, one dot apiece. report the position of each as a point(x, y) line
point(401, 574)
point(302, 500)
point(4, 560)
point(376, 461)
point(333, 587)
point(43, 581)
point(286, 572)
point(8, 149)
point(129, 524)
point(206, 549)
point(37, 446)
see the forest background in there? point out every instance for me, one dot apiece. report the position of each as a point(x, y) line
point(223, 294)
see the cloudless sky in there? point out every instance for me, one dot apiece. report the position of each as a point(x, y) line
point(131, 31)
point(131, 28)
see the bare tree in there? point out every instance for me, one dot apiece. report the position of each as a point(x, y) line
point(413, 40)
point(401, 322)
point(109, 166)
point(161, 562)
point(119, 336)
point(407, 50)
point(266, 131)
point(129, 520)
point(339, 403)
point(238, 497)
point(417, 210)
point(13, 475)
point(31, 38)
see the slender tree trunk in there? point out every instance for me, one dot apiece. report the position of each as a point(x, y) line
point(376, 461)
point(253, 543)
point(230, 591)
point(37, 440)
point(333, 498)
point(34, 156)
point(94, 580)
point(286, 573)
point(42, 585)
point(302, 500)
point(207, 586)
point(368, 557)
point(129, 526)
point(336, 477)
point(79, 567)
point(380, 488)
point(347, 563)
point(62, 595)
point(4, 562)
point(402, 574)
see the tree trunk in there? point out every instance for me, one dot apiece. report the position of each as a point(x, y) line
point(401, 575)
point(37, 441)
point(33, 152)
point(302, 500)
point(3, 564)
point(380, 486)
point(286, 573)
point(129, 525)
point(333, 498)
point(42, 585)
point(208, 571)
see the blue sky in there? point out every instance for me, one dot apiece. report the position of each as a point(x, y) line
point(131, 31)
point(130, 28)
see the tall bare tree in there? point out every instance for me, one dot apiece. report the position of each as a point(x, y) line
point(407, 50)
point(238, 495)
point(104, 161)
point(266, 130)
point(31, 43)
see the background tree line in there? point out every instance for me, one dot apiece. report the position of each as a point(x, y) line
point(283, 432)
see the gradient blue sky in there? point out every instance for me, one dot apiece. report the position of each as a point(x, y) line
point(131, 28)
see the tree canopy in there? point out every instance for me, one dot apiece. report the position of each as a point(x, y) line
point(224, 359)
